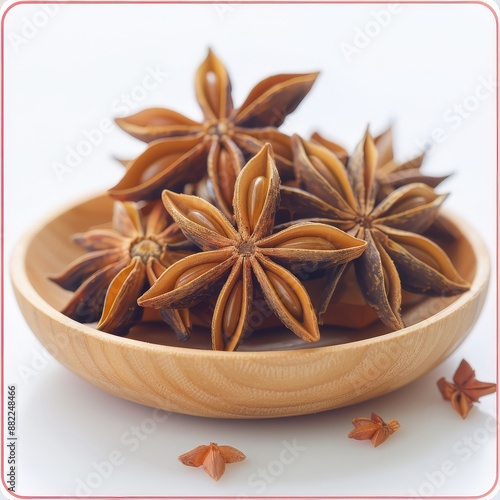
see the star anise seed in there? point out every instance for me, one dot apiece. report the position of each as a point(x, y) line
point(238, 257)
point(397, 254)
point(120, 265)
point(184, 151)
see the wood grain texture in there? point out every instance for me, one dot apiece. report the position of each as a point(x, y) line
point(243, 384)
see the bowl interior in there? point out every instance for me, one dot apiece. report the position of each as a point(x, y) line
point(51, 248)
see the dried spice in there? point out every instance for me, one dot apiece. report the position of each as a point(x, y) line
point(397, 255)
point(120, 265)
point(389, 174)
point(465, 390)
point(392, 174)
point(184, 151)
point(373, 428)
point(213, 458)
point(234, 257)
point(295, 217)
point(340, 152)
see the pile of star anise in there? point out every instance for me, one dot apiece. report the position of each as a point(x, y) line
point(215, 216)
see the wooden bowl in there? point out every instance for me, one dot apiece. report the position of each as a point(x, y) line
point(279, 377)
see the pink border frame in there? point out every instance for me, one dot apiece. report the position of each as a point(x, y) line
point(235, 2)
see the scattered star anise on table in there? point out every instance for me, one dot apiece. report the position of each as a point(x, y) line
point(465, 389)
point(213, 458)
point(373, 429)
point(390, 174)
point(120, 265)
point(215, 150)
point(238, 257)
point(397, 255)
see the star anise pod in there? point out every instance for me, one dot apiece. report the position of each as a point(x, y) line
point(389, 174)
point(237, 257)
point(213, 458)
point(120, 265)
point(185, 151)
point(340, 152)
point(374, 429)
point(397, 254)
point(465, 390)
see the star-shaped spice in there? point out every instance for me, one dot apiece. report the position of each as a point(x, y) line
point(216, 149)
point(213, 458)
point(239, 257)
point(390, 174)
point(374, 429)
point(397, 255)
point(465, 390)
point(120, 265)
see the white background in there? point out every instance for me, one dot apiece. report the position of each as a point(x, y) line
point(65, 77)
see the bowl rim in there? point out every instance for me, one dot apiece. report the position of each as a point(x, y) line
point(22, 284)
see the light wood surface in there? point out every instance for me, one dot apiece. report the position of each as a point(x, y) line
point(274, 376)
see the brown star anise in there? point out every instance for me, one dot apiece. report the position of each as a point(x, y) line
point(188, 151)
point(389, 174)
point(397, 255)
point(213, 458)
point(236, 256)
point(465, 390)
point(121, 264)
point(374, 429)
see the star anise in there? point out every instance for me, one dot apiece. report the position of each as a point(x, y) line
point(340, 152)
point(374, 429)
point(121, 264)
point(188, 151)
point(397, 255)
point(213, 458)
point(465, 390)
point(236, 257)
point(389, 174)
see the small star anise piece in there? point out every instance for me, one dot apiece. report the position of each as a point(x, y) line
point(373, 428)
point(397, 255)
point(184, 151)
point(120, 265)
point(465, 390)
point(249, 254)
point(213, 458)
point(390, 174)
